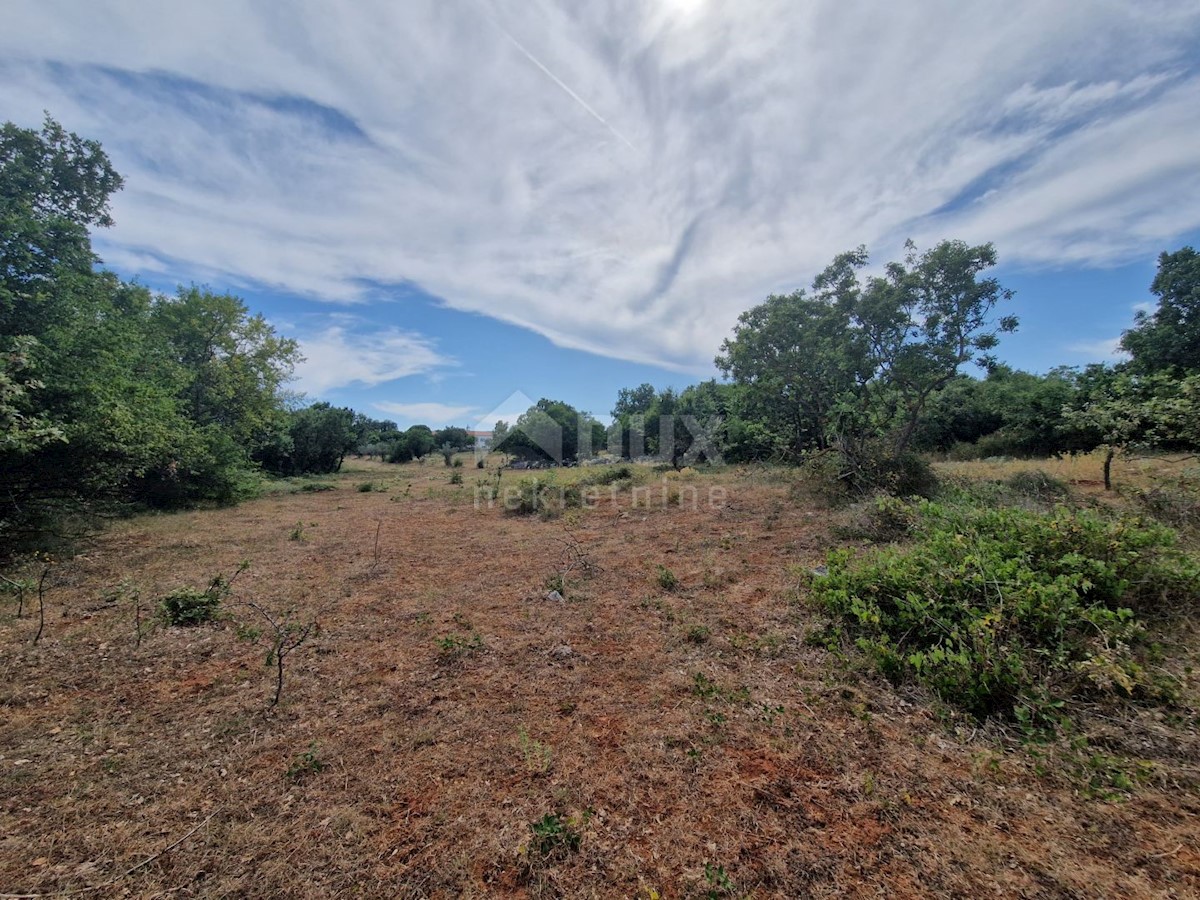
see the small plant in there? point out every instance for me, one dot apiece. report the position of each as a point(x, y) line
point(453, 646)
point(699, 634)
point(305, 764)
point(456, 478)
point(553, 837)
point(666, 579)
point(297, 532)
point(286, 635)
point(537, 756)
point(366, 487)
point(188, 607)
point(719, 882)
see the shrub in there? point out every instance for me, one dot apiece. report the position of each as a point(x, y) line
point(1008, 612)
point(456, 478)
point(187, 607)
point(543, 498)
point(609, 476)
point(1038, 485)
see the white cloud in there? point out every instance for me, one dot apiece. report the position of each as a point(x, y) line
point(434, 415)
point(338, 358)
point(632, 175)
point(1102, 350)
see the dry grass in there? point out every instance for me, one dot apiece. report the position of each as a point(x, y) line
point(446, 705)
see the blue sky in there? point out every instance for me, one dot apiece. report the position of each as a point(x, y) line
point(449, 201)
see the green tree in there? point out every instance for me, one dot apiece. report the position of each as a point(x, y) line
point(857, 361)
point(1168, 339)
point(321, 436)
point(234, 363)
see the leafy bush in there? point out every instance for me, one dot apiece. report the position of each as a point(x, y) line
point(609, 476)
point(543, 498)
point(1009, 612)
point(1038, 485)
point(187, 606)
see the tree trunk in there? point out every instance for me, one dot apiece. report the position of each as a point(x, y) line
point(1108, 458)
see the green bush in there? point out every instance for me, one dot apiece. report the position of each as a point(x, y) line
point(1038, 485)
point(607, 476)
point(187, 607)
point(1010, 612)
point(542, 498)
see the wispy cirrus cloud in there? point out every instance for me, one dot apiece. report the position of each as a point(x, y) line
point(621, 177)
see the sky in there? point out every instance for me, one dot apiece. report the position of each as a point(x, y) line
point(452, 202)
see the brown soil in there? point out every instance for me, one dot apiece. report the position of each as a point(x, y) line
point(669, 729)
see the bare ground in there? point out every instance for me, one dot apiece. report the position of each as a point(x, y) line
point(689, 736)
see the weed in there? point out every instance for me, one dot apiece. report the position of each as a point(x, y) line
point(719, 882)
point(666, 579)
point(366, 487)
point(554, 837)
point(699, 634)
point(538, 757)
point(305, 764)
point(453, 646)
point(456, 478)
point(297, 532)
point(1037, 484)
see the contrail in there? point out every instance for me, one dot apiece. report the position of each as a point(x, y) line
point(570, 93)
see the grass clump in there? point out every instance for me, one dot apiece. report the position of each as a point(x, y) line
point(1011, 612)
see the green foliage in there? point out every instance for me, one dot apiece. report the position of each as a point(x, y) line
point(1039, 485)
point(187, 606)
point(554, 837)
point(666, 579)
point(305, 764)
point(551, 430)
point(111, 398)
point(858, 360)
point(415, 443)
point(313, 440)
point(456, 478)
point(453, 646)
point(547, 499)
point(719, 882)
point(1010, 612)
point(1168, 339)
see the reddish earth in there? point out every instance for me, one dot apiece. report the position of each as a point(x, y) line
point(689, 737)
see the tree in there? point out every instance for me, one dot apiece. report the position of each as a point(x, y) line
point(458, 438)
point(233, 362)
point(53, 186)
point(1168, 339)
point(797, 357)
point(856, 361)
point(553, 430)
point(321, 436)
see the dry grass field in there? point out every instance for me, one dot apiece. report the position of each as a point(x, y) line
point(663, 730)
